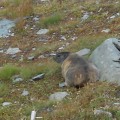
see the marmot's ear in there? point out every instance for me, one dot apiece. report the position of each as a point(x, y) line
point(61, 56)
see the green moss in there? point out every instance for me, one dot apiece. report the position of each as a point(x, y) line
point(8, 71)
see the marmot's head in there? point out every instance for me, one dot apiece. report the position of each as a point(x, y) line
point(61, 56)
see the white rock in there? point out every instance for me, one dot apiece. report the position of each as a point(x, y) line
point(63, 38)
point(106, 30)
point(61, 48)
point(25, 93)
point(1, 51)
point(6, 103)
point(58, 96)
point(13, 51)
point(17, 80)
point(112, 17)
point(42, 31)
point(33, 115)
point(99, 112)
point(85, 16)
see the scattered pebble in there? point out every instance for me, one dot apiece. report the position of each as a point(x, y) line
point(16, 79)
point(31, 58)
point(99, 112)
point(6, 103)
point(106, 30)
point(13, 51)
point(63, 38)
point(42, 31)
point(5, 26)
point(25, 93)
point(38, 77)
point(85, 16)
point(61, 85)
point(58, 96)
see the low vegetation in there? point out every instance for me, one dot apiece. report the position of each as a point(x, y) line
point(62, 20)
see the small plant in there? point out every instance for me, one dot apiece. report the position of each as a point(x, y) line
point(3, 89)
point(8, 71)
point(52, 20)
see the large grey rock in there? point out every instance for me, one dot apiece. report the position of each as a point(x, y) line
point(58, 96)
point(104, 57)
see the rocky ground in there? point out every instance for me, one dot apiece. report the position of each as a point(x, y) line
point(32, 42)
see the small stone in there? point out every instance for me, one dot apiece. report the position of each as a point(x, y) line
point(58, 96)
point(63, 38)
point(6, 103)
point(118, 14)
point(74, 38)
point(12, 51)
point(16, 80)
point(99, 112)
point(41, 56)
point(42, 31)
point(36, 18)
point(1, 51)
point(112, 17)
point(106, 30)
point(25, 93)
point(85, 16)
point(33, 49)
point(31, 58)
point(61, 48)
point(61, 85)
point(38, 77)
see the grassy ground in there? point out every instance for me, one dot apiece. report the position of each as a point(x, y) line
point(60, 19)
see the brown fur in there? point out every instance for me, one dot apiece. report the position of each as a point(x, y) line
point(77, 71)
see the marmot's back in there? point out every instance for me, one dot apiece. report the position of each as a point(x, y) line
point(77, 71)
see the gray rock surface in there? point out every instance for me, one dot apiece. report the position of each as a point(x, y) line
point(5, 26)
point(25, 93)
point(84, 51)
point(6, 103)
point(58, 96)
point(99, 112)
point(13, 51)
point(42, 31)
point(104, 57)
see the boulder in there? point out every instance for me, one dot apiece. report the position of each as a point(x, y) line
point(107, 59)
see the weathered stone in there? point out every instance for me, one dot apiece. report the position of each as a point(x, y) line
point(58, 96)
point(62, 84)
point(5, 26)
point(106, 58)
point(6, 103)
point(85, 16)
point(84, 51)
point(42, 31)
point(31, 58)
point(106, 30)
point(16, 79)
point(13, 51)
point(101, 112)
point(38, 77)
point(25, 93)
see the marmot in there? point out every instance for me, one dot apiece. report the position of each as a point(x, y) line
point(76, 70)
